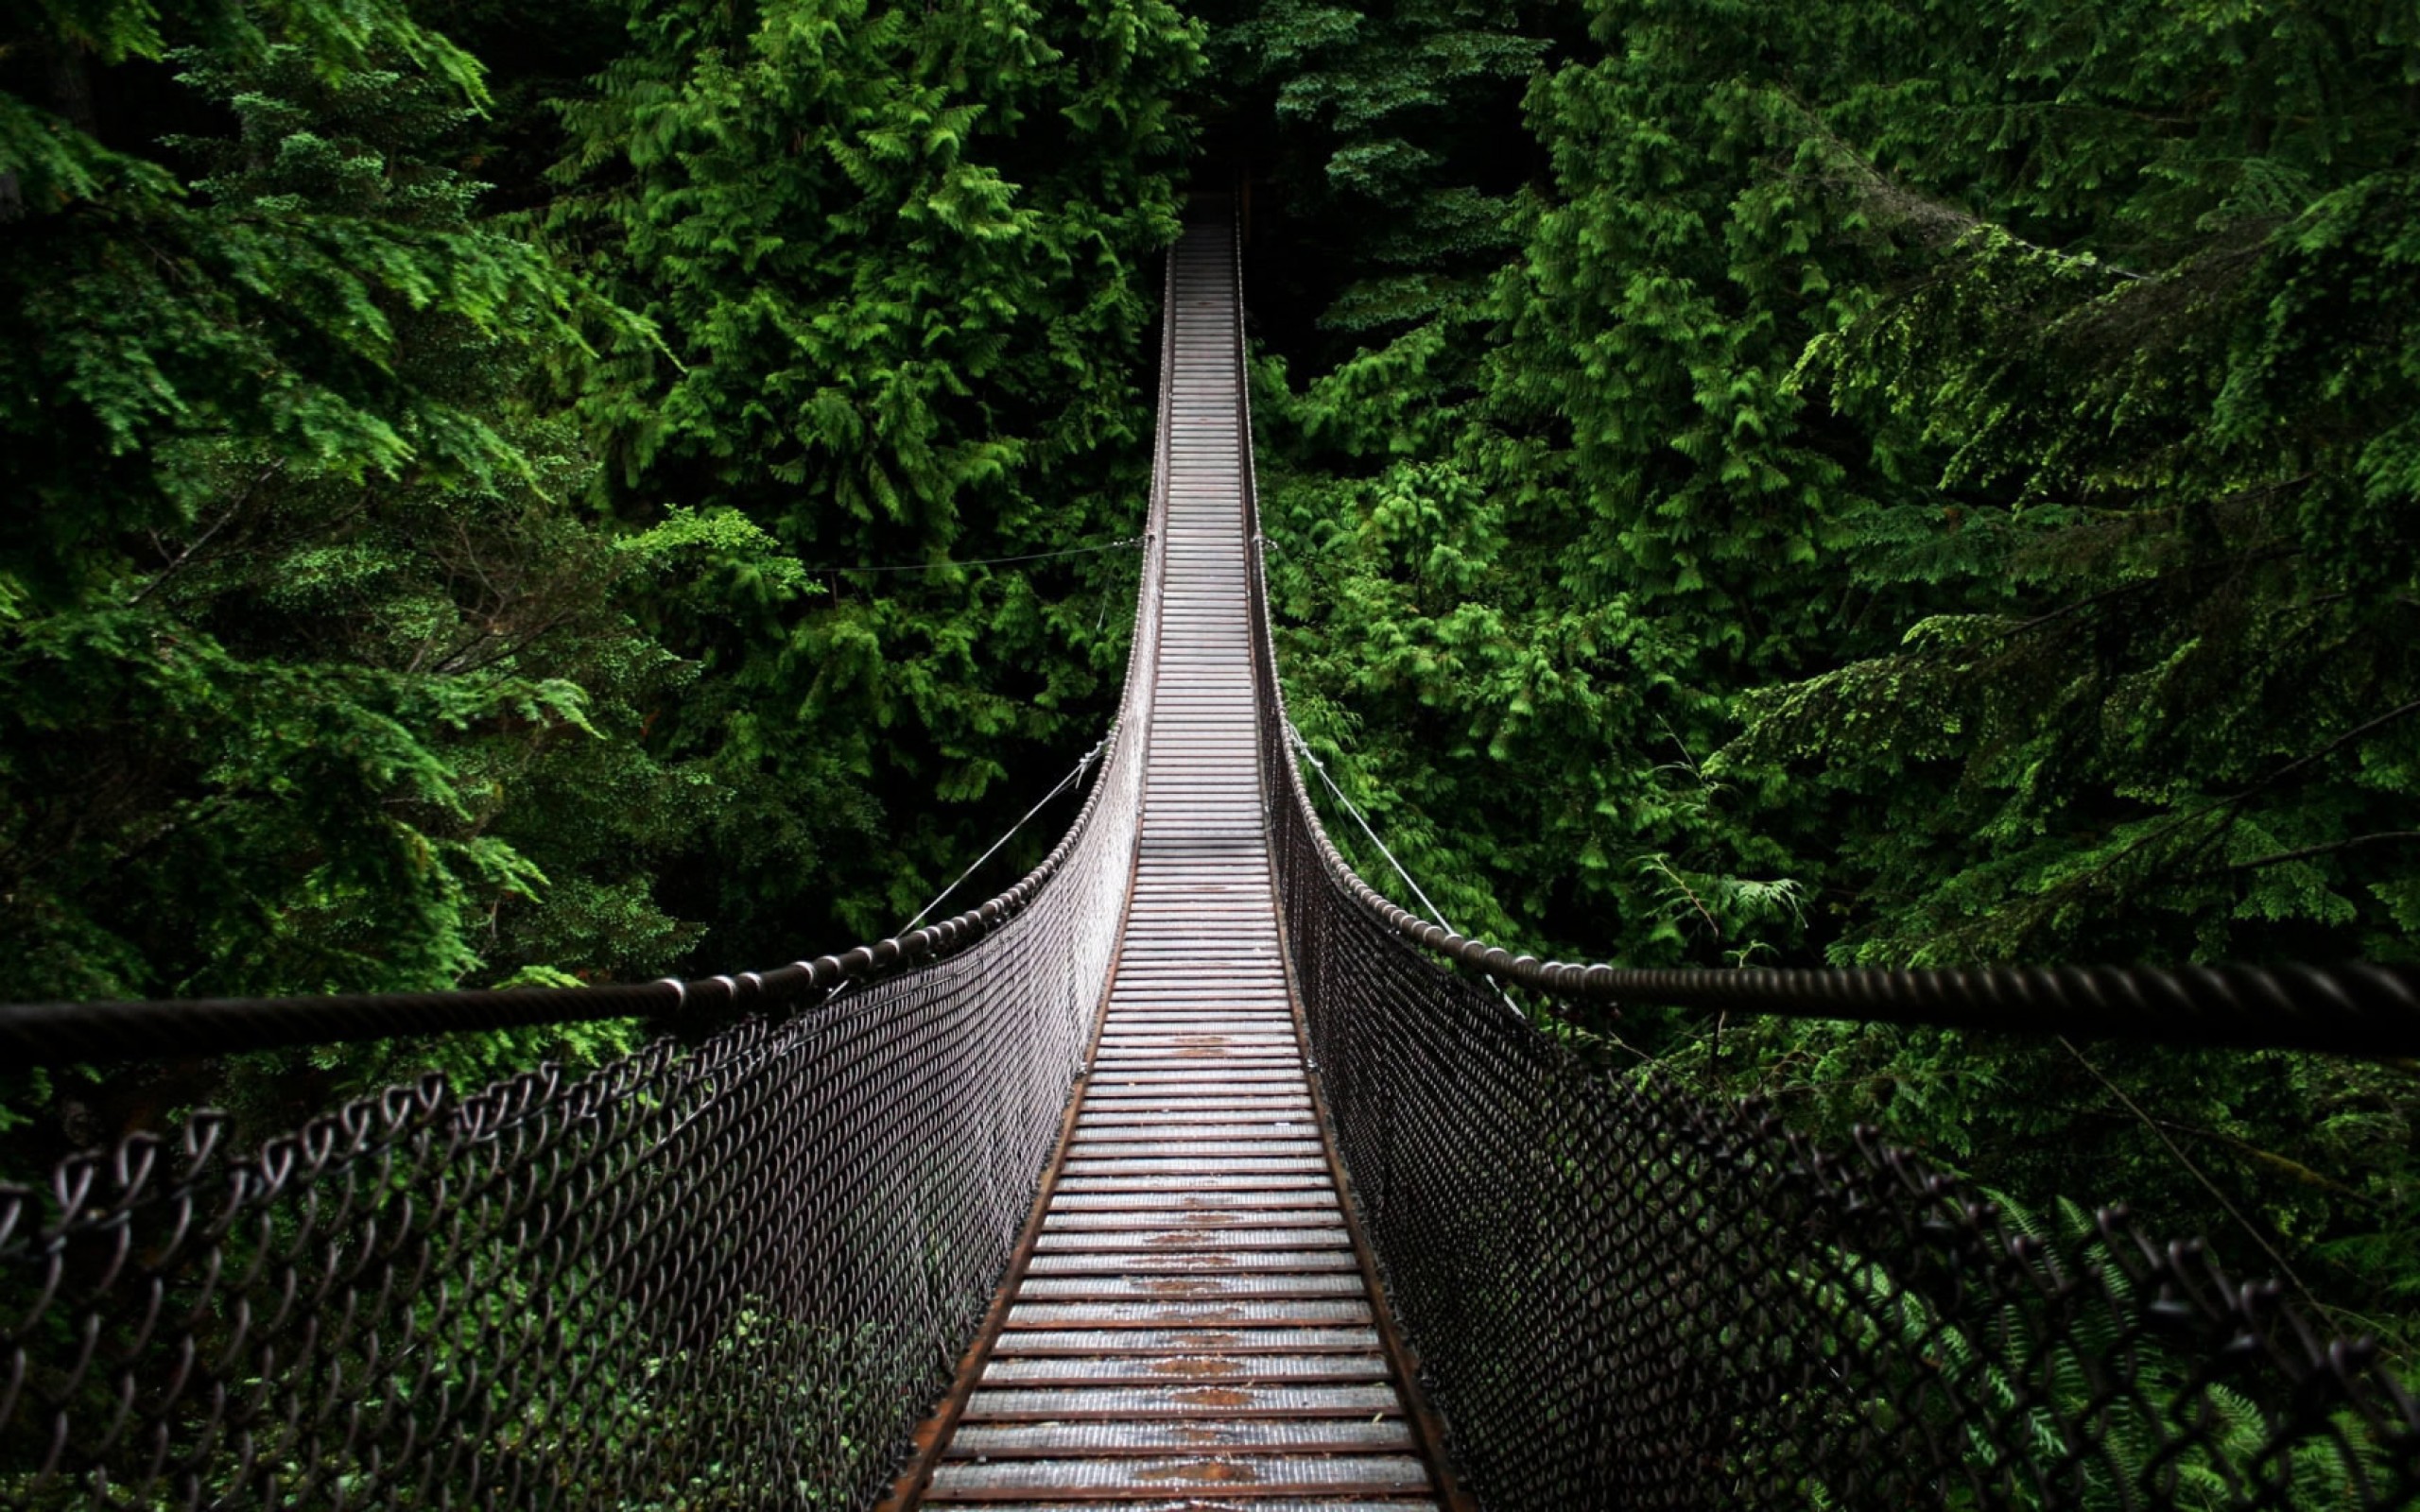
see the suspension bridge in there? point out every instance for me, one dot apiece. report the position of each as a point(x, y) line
point(1187, 1173)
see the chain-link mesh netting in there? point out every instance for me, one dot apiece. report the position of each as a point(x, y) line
point(693, 1279)
point(1625, 1296)
point(733, 1275)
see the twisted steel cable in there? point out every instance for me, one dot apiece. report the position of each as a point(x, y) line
point(41, 1034)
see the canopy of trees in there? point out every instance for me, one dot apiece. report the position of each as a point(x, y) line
point(1930, 483)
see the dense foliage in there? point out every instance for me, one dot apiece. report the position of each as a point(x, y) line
point(510, 496)
point(1933, 485)
point(902, 261)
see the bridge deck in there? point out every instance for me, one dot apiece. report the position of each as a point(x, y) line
point(1195, 1318)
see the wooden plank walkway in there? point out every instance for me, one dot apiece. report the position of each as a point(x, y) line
point(1194, 1327)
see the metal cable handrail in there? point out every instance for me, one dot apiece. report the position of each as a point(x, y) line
point(49, 1034)
point(2356, 1008)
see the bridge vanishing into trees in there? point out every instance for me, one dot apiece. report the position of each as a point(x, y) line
point(1186, 1173)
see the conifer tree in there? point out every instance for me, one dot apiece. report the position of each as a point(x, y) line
point(905, 258)
point(298, 635)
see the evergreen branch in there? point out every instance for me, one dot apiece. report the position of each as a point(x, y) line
point(233, 509)
point(987, 561)
point(2356, 732)
point(2182, 1158)
point(2286, 1164)
point(2305, 852)
point(1936, 219)
point(2138, 585)
point(2226, 811)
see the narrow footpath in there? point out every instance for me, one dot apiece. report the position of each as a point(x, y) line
point(1194, 1327)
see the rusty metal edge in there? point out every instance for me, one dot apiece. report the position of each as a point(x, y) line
point(1373, 1494)
point(1427, 1425)
point(933, 1435)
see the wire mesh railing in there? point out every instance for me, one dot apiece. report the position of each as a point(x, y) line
point(690, 1278)
point(1621, 1294)
point(1625, 1294)
point(733, 1274)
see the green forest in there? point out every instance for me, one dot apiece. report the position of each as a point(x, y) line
point(512, 495)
